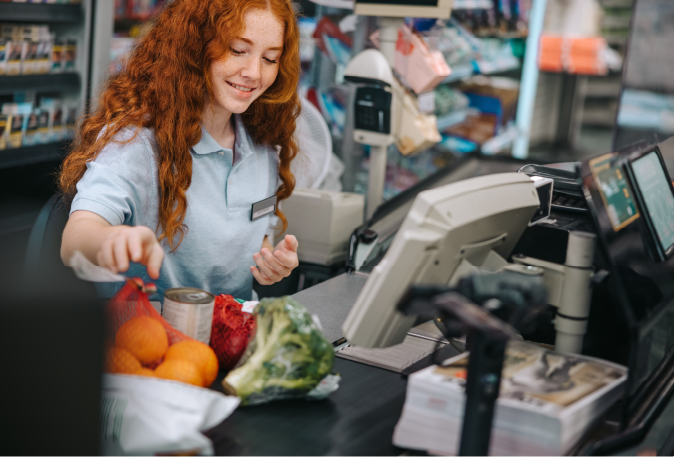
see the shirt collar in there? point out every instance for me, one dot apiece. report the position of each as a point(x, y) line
point(208, 145)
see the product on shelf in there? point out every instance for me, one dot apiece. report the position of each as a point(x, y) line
point(14, 51)
point(57, 57)
point(44, 56)
point(31, 137)
point(3, 56)
point(29, 57)
point(3, 128)
point(70, 47)
point(23, 124)
point(31, 49)
point(14, 125)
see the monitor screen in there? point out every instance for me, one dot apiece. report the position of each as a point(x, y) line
point(615, 192)
point(641, 284)
point(658, 200)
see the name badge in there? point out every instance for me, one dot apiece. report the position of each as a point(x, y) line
point(262, 208)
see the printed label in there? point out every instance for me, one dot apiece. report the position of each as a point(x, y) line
point(249, 306)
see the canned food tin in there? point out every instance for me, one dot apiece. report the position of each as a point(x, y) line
point(190, 311)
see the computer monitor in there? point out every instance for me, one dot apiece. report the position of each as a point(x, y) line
point(653, 190)
point(448, 233)
point(631, 201)
point(404, 8)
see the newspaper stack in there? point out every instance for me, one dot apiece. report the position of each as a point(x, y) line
point(546, 403)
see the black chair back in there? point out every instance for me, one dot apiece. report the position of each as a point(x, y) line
point(44, 245)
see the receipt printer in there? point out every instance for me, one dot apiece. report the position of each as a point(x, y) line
point(322, 221)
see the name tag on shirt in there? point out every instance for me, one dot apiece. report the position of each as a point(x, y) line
point(262, 208)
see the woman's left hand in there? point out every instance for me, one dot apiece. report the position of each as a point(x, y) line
point(271, 268)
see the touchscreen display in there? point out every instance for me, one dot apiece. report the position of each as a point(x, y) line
point(615, 192)
point(657, 196)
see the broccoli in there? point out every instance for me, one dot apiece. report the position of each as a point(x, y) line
point(288, 357)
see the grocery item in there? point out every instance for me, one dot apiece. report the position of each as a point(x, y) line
point(146, 372)
point(144, 337)
point(190, 311)
point(233, 327)
point(199, 354)
point(180, 370)
point(143, 343)
point(288, 357)
point(119, 360)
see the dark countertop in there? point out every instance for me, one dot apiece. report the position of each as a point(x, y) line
point(357, 419)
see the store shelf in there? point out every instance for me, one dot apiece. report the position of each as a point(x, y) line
point(32, 154)
point(40, 12)
point(60, 82)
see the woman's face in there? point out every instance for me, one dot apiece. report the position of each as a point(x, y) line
point(251, 65)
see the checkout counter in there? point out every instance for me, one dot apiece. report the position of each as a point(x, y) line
point(359, 418)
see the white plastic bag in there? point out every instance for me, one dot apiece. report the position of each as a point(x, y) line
point(144, 416)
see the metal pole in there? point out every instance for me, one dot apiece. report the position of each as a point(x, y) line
point(482, 388)
point(376, 179)
point(574, 306)
point(529, 84)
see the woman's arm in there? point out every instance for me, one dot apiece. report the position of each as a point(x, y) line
point(111, 246)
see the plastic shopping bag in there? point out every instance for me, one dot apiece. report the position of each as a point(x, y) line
point(142, 416)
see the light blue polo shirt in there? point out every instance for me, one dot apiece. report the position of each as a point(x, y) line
point(216, 253)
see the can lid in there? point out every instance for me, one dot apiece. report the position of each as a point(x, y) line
point(189, 295)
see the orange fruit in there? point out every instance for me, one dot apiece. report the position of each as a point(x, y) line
point(146, 372)
point(199, 354)
point(121, 361)
point(144, 337)
point(180, 370)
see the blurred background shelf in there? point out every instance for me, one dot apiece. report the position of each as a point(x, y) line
point(33, 154)
point(59, 82)
point(41, 12)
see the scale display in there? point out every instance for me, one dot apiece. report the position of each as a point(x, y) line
point(615, 192)
point(657, 197)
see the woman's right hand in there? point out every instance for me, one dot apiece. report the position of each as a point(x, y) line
point(112, 247)
point(125, 244)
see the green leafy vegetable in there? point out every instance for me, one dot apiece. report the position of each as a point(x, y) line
point(288, 357)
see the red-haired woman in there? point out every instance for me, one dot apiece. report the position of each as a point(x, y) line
point(195, 130)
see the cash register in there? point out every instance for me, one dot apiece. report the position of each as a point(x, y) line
point(630, 208)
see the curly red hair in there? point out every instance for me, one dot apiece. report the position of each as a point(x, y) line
point(163, 86)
